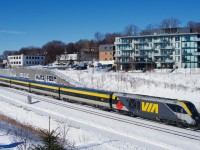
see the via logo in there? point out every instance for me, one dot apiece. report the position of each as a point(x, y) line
point(150, 107)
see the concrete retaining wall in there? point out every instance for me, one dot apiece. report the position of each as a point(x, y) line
point(30, 73)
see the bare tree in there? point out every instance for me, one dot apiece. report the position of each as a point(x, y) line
point(31, 50)
point(131, 30)
point(195, 26)
point(98, 36)
point(110, 38)
point(6, 53)
point(174, 22)
point(191, 24)
point(150, 27)
point(170, 23)
point(53, 48)
point(21, 135)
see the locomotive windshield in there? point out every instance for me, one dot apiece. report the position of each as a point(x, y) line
point(192, 108)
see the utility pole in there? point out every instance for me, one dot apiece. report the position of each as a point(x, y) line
point(65, 56)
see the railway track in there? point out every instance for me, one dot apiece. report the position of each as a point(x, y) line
point(109, 115)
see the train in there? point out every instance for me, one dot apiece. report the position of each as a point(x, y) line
point(170, 111)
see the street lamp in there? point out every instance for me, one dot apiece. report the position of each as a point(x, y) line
point(45, 54)
point(146, 57)
point(65, 56)
point(133, 59)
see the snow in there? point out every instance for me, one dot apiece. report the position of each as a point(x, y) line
point(89, 131)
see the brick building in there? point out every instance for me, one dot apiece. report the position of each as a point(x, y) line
point(106, 52)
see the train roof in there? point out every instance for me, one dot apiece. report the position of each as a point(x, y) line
point(87, 89)
point(16, 78)
point(146, 97)
point(59, 85)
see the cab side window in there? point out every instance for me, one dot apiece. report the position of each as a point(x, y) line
point(177, 108)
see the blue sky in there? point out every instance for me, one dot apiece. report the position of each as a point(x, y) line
point(35, 22)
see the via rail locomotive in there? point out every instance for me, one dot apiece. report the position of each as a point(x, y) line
point(169, 111)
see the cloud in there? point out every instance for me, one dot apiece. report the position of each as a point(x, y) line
point(12, 32)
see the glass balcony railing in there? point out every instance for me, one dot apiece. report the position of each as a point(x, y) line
point(196, 53)
point(169, 60)
point(196, 39)
point(118, 55)
point(156, 54)
point(169, 47)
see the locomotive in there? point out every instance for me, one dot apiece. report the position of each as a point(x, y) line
point(170, 111)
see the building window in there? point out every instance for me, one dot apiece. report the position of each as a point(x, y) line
point(177, 45)
point(105, 53)
point(177, 52)
point(105, 58)
point(177, 38)
point(186, 38)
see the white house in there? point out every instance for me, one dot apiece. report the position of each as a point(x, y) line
point(67, 58)
point(25, 60)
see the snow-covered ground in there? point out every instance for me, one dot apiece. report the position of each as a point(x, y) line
point(88, 131)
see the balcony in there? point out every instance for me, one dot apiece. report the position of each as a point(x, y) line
point(148, 48)
point(168, 47)
point(196, 39)
point(117, 55)
point(117, 43)
point(169, 61)
point(117, 61)
point(136, 55)
point(140, 42)
point(128, 49)
point(196, 53)
point(158, 41)
point(158, 47)
point(187, 54)
point(156, 54)
point(164, 61)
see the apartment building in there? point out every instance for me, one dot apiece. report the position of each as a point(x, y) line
point(25, 60)
point(159, 48)
point(106, 52)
